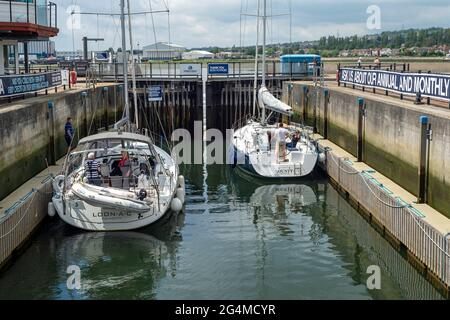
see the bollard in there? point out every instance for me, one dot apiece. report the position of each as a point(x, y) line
point(418, 98)
point(51, 117)
point(325, 112)
point(424, 141)
point(361, 114)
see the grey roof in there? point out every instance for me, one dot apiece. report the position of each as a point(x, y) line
point(110, 135)
point(164, 46)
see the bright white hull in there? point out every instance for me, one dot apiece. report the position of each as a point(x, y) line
point(262, 162)
point(101, 216)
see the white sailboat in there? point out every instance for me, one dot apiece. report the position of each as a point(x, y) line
point(117, 180)
point(255, 147)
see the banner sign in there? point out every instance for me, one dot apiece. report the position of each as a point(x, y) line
point(21, 84)
point(155, 93)
point(427, 84)
point(190, 69)
point(218, 68)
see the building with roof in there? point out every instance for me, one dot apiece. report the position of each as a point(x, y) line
point(197, 54)
point(163, 51)
point(22, 21)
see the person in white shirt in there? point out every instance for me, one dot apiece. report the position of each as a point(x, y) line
point(281, 134)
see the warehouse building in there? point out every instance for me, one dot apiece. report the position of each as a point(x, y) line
point(163, 51)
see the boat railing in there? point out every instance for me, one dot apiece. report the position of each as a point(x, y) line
point(241, 122)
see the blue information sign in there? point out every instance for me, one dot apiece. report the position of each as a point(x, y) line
point(155, 93)
point(218, 68)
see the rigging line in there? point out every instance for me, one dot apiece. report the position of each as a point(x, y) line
point(154, 34)
point(240, 28)
point(291, 51)
point(168, 21)
point(25, 212)
point(245, 23)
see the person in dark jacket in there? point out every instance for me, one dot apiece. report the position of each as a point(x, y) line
point(68, 132)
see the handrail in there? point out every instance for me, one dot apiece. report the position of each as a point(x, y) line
point(51, 12)
point(242, 70)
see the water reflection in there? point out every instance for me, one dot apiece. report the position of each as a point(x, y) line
point(113, 265)
point(253, 239)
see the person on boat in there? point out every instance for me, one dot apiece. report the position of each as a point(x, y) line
point(125, 167)
point(124, 160)
point(280, 151)
point(92, 170)
point(271, 138)
point(68, 132)
point(294, 140)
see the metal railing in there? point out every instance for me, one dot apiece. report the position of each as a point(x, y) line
point(175, 70)
point(37, 12)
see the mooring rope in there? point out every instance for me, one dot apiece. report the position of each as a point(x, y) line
point(405, 206)
point(21, 219)
point(339, 165)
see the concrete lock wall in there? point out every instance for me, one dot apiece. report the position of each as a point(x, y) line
point(391, 138)
point(27, 127)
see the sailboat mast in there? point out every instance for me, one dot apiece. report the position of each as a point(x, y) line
point(133, 67)
point(264, 19)
point(263, 84)
point(255, 88)
point(124, 61)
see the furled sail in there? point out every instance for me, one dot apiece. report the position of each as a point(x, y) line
point(267, 100)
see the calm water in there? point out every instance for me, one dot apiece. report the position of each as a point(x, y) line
point(238, 238)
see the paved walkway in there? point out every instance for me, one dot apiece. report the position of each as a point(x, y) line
point(34, 183)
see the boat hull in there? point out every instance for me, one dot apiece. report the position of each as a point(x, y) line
point(262, 164)
point(83, 215)
point(103, 213)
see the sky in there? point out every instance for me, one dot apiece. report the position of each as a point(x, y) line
point(202, 23)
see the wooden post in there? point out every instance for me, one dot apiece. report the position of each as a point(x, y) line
point(423, 160)
point(105, 100)
point(51, 117)
point(361, 111)
point(326, 94)
point(305, 102)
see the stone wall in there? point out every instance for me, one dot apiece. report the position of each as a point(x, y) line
point(26, 129)
point(391, 135)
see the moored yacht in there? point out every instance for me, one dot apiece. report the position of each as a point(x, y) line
point(117, 180)
point(272, 151)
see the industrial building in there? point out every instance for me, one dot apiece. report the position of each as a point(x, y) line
point(197, 54)
point(163, 51)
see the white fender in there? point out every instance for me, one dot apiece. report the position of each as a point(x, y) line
point(181, 182)
point(51, 209)
point(322, 157)
point(180, 194)
point(176, 205)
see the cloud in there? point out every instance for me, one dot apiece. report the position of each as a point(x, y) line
point(197, 23)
